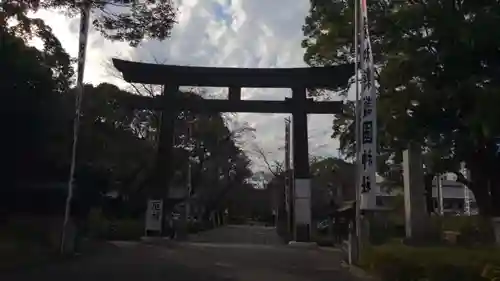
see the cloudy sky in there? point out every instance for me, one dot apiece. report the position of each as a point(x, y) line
point(232, 33)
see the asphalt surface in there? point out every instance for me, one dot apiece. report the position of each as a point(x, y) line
point(243, 253)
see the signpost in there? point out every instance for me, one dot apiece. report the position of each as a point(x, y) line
point(154, 216)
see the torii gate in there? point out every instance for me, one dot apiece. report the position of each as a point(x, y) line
point(298, 79)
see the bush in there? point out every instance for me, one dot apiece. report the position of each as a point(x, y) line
point(125, 229)
point(195, 226)
point(474, 230)
point(120, 229)
point(397, 262)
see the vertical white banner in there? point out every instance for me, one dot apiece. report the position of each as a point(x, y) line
point(154, 215)
point(288, 186)
point(368, 128)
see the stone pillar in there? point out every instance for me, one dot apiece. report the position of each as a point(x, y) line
point(302, 178)
point(414, 194)
point(182, 229)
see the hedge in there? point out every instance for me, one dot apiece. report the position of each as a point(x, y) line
point(404, 263)
point(118, 229)
point(474, 230)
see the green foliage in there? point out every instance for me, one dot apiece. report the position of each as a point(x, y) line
point(100, 227)
point(332, 182)
point(132, 22)
point(23, 233)
point(22, 246)
point(381, 233)
point(117, 142)
point(393, 262)
point(474, 230)
point(437, 62)
point(31, 83)
point(491, 272)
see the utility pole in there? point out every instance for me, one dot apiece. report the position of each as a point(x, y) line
point(82, 47)
point(189, 175)
point(467, 200)
point(288, 179)
point(185, 209)
point(357, 220)
point(439, 189)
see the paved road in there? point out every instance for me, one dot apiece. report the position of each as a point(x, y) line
point(230, 253)
point(240, 234)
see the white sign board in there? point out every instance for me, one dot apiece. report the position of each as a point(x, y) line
point(303, 211)
point(302, 188)
point(154, 215)
point(302, 201)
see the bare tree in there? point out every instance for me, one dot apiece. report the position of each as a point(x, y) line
point(275, 167)
point(138, 89)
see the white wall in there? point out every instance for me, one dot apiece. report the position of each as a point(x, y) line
point(451, 189)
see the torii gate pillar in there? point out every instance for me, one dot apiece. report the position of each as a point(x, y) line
point(302, 177)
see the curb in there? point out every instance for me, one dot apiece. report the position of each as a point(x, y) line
point(307, 245)
point(358, 272)
point(330, 249)
point(159, 241)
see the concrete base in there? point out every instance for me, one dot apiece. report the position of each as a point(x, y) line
point(155, 240)
point(303, 232)
point(310, 245)
point(151, 233)
point(358, 272)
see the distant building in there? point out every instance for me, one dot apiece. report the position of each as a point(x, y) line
point(455, 196)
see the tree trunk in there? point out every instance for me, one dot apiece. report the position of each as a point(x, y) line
point(478, 184)
point(494, 188)
point(485, 178)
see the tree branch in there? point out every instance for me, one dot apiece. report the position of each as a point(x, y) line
point(278, 167)
point(461, 179)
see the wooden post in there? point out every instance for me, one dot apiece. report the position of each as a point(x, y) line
point(234, 93)
point(164, 168)
point(302, 179)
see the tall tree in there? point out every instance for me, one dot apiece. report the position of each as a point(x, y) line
point(217, 162)
point(130, 21)
point(438, 75)
point(31, 83)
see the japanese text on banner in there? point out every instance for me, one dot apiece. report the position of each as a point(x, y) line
point(368, 117)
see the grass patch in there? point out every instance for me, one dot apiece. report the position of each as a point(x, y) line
point(24, 243)
point(398, 262)
point(100, 227)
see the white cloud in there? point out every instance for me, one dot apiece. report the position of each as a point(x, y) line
point(234, 33)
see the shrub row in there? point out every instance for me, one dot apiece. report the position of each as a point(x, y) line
point(100, 227)
point(397, 262)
